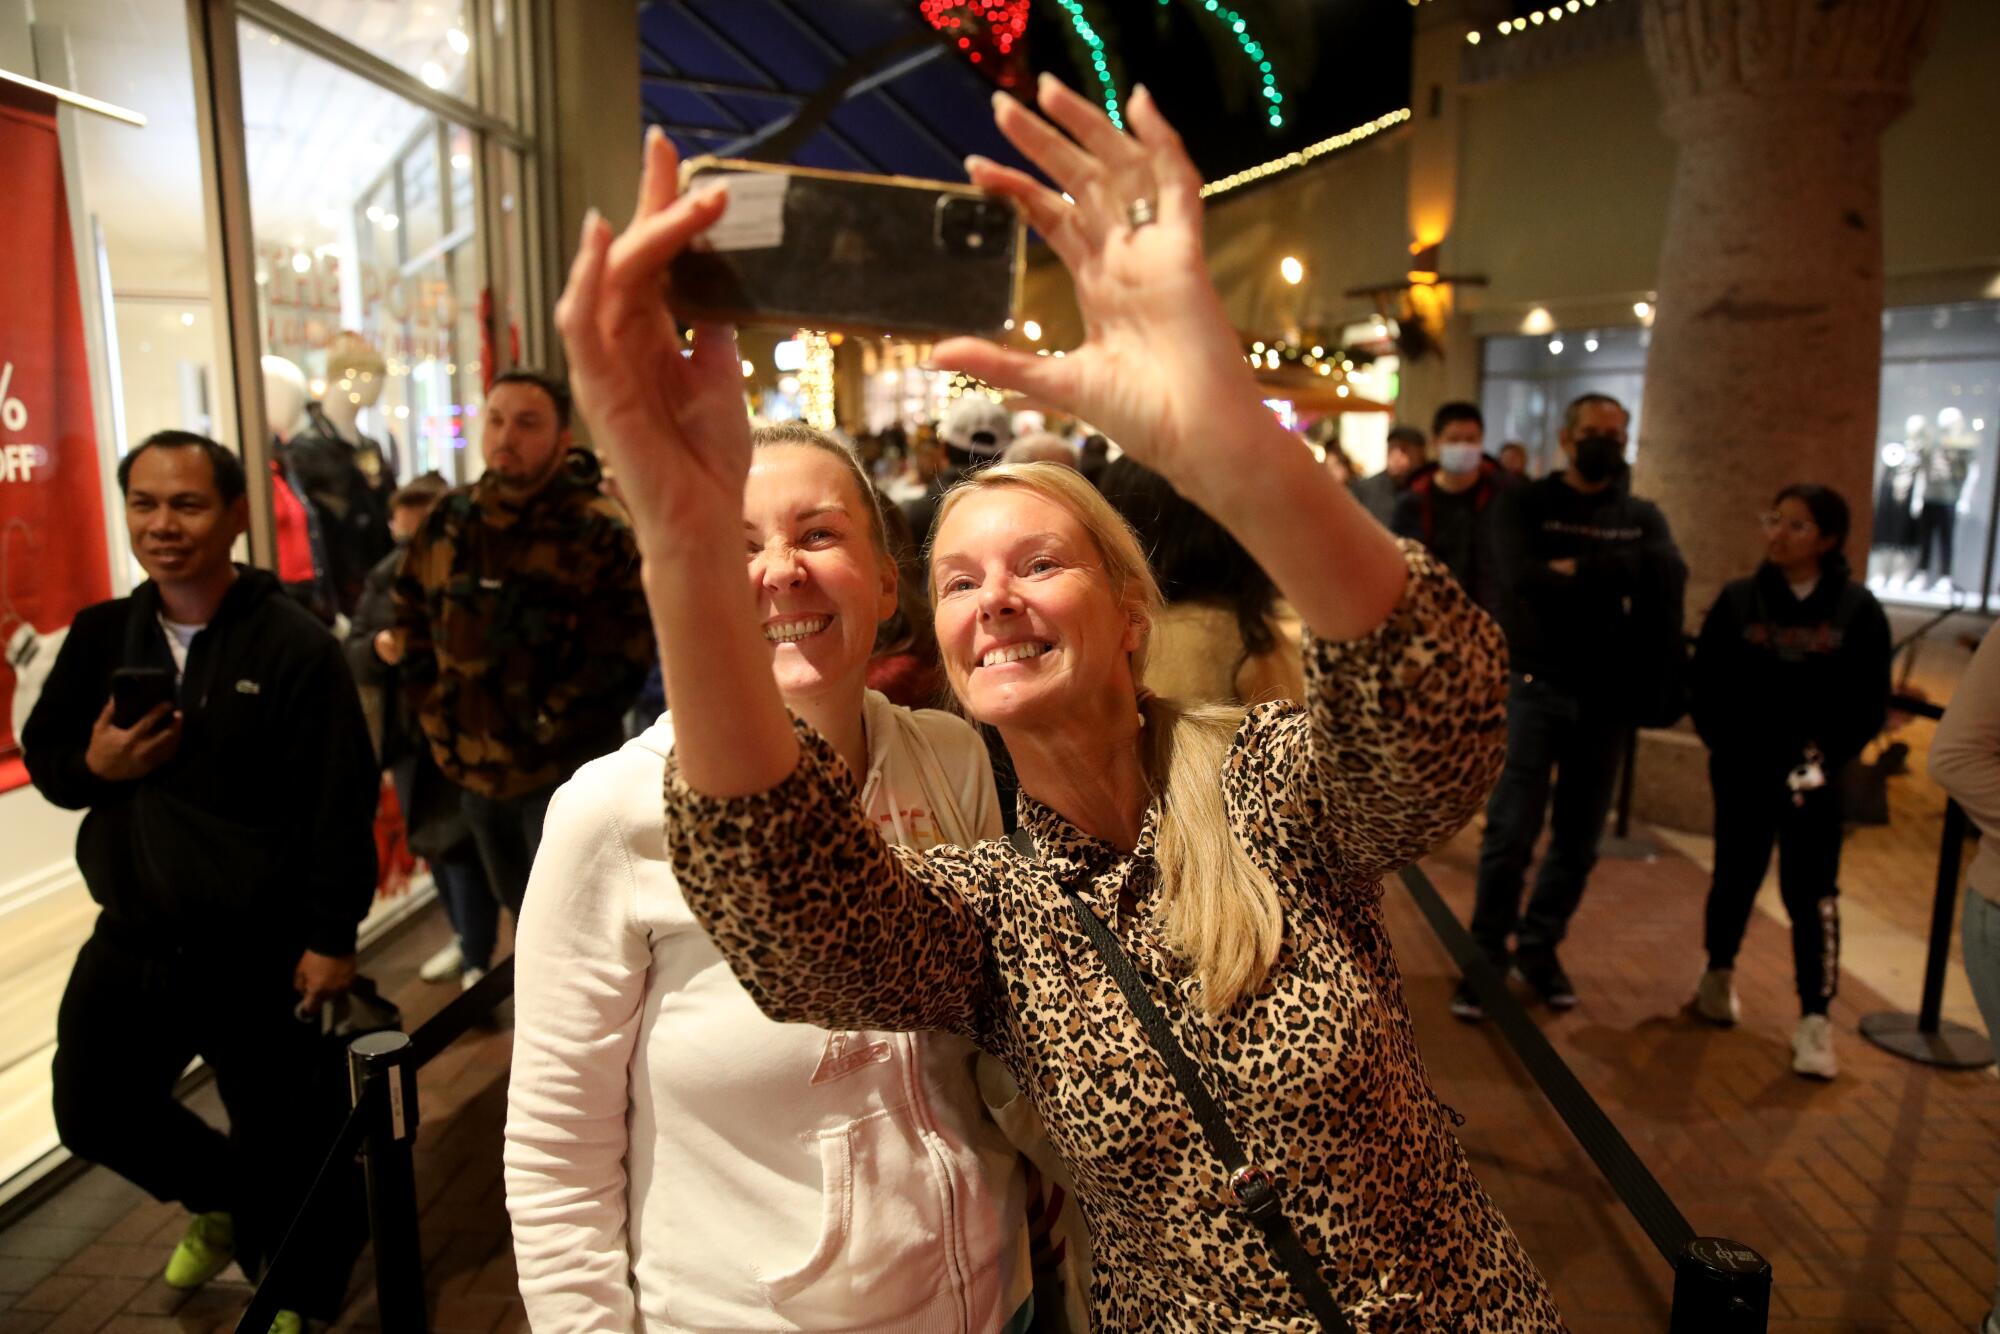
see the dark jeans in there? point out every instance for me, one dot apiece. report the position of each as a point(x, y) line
point(136, 1011)
point(1754, 810)
point(469, 905)
point(1548, 729)
point(507, 833)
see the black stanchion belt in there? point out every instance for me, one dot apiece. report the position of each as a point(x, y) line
point(1637, 1187)
point(440, 1031)
point(1255, 1192)
point(269, 1298)
point(468, 1008)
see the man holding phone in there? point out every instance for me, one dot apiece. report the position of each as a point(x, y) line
point(208, 726)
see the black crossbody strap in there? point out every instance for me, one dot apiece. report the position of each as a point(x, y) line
point(1254, 1191)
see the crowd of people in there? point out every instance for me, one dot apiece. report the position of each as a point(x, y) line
point(1006, 952)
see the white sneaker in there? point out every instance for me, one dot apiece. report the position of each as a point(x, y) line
point(1812, 1048)
point(1715, 997)
point(469, 979)
point(443, 966)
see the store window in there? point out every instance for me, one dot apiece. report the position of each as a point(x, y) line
point(369, 264)
point(1935, 455)
point(133, 199)
point(1528, 382)
point(431, 39)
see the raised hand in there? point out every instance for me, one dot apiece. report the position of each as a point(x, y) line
point(673, 427)
point(1159, 370)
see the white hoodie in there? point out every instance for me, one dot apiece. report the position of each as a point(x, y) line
point(678, 1162)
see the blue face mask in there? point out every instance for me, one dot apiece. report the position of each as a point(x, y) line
point(1459, 459)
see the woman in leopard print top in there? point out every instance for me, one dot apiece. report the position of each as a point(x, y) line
point(1235, 855)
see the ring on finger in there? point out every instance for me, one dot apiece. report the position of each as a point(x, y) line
point(1139, 212)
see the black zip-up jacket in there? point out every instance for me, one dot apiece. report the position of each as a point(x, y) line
point(1773, 673)
point(1464, 541)
point(262, 825)
point(1573, 629)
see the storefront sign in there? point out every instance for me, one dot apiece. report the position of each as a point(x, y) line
point(52, 553)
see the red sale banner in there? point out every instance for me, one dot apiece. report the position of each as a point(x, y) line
point(52, 553)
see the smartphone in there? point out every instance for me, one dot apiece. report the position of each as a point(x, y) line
point(137, 691)
point(800, 248)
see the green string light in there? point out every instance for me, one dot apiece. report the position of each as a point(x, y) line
point(1099, 63)
point(1253, 51)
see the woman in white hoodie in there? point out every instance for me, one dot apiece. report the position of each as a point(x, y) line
point(675, 1160)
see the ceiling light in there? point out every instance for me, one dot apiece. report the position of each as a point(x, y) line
point(1293, 271)
point(187, 319)
point(302, 262)
point(1031, 331)
point(749, 368)
point(433, 74)
point(1555, 347)
point(457, 40)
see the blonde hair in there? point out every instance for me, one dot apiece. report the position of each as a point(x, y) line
point(1218, 909)
point(810, 437)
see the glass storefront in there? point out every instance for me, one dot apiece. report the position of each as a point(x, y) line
point(1527, 382)
point(391, 190)
point(368, 248)
point(1937, 442)
point(1936, 453)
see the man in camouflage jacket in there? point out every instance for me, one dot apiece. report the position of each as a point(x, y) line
point(521, 627)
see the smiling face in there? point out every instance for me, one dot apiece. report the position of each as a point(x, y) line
point(820, 584)
point(181, 528)
point(1031, 630)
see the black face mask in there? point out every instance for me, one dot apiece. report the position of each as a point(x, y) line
point(1598, 456)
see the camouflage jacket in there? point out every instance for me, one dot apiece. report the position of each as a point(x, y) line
point(525, 631)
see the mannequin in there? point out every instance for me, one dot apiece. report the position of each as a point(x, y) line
point(355, 374)
point(301, 546)
point(1892, 552)
point(346, 477)
point(1943, 483)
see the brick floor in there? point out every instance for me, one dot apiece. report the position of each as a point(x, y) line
point(90, 1259)
point(1872, 1197)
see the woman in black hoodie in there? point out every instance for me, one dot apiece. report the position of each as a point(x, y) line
point(1791, 679)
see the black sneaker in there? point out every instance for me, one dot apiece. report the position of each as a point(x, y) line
point(1545, 975)
point(1465, 1004)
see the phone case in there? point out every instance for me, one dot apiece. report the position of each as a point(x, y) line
point(137, 691)
point(800, 247)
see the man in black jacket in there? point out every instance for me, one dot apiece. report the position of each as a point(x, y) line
point(229, 842)
point(1450, 505)
point(1590, 594)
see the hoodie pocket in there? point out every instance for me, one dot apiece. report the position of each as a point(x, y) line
point(883, 1214)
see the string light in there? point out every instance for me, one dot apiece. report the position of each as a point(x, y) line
point(1290, 161)
point(1099, 61)
point(1534, 19)
point(1254, 52)
point(816, 382)
point(980, 28)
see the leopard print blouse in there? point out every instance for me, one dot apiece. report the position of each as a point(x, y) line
point(827, 924)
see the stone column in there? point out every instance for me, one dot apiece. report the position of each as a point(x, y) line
point(1766, 355)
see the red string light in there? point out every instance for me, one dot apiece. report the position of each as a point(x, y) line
point(983, 29)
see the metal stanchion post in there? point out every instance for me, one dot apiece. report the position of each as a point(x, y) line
point(1925, 1036)
point(1720, 1287)
point(1621, 846)
point(381, 1069)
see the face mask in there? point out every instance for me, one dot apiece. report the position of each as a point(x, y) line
point(1459, 459)
point(1598, 456)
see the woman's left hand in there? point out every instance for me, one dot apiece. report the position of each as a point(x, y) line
point(1159, 370)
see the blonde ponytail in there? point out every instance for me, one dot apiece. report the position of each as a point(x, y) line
point(1218, 909)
